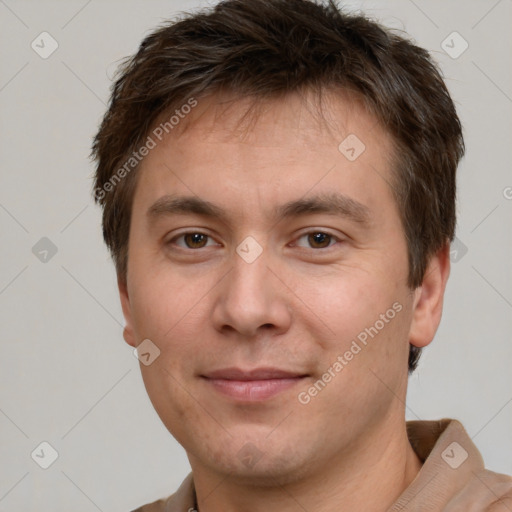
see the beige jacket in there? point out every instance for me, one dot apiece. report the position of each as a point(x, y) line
point(452, 478)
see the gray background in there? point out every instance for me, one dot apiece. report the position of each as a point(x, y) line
point(66, 375)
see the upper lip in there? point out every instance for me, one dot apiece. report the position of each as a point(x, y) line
point(254, 374)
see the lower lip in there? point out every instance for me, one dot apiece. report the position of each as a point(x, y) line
point(253, 390)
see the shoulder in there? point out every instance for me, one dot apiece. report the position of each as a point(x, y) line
point(485, 491)
point(155, 506)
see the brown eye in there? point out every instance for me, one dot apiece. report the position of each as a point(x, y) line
point(319, 240)
point(195, 240)
point(192, 241)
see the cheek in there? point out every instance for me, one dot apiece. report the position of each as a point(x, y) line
point(344, 301)
point(173, 400)
point(366, 320)
point(173, 311)
point(161, 298)
point(169, 314)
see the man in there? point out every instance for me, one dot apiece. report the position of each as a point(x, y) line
point(278, 189)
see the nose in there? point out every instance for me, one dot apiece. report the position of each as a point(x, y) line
point(251, 300)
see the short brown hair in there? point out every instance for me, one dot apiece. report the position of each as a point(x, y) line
point(267, 48)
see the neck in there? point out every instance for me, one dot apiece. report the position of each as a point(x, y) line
point(379, 467)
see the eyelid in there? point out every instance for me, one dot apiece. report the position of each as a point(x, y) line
point(202, 231)
point(310, 231)
point(189, 231)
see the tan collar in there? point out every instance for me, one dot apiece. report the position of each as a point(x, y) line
point(449, 458)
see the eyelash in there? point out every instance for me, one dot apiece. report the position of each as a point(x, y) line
point(313, 232)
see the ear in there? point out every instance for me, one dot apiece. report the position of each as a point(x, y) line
point(128, 333)
point(428, 300)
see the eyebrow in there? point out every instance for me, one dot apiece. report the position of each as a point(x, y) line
point(328, 203)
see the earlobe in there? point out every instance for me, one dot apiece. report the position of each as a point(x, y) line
point(428, 300)
point(128, 333)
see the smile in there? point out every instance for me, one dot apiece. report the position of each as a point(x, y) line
point(253, 385)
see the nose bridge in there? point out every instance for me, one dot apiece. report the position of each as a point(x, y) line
point(248, 286)
point(249, 298)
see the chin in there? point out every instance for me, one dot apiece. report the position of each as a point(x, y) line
point(269, 474)
point(251, 466)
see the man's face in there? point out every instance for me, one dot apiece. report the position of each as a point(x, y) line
point(251, 306)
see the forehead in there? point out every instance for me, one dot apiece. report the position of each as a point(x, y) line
point(260, 153)
point(306, 116)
